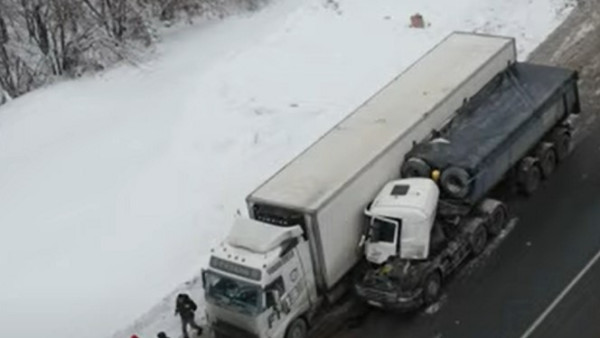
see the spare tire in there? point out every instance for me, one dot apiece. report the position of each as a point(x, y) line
point(415, 167)
point(456, 182)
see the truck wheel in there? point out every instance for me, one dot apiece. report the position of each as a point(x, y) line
point(562, 143)
point(531, 180)
point(415, 167)
point(298, 329)
point(432, 288)
point(478, 236)
point(547, 157)
point(496, 215)
point(456, 182)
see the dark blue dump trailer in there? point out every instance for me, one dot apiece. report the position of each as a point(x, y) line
point(440, 212)
point(520, 120)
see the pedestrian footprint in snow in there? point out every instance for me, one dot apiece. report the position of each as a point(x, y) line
point(185, 308)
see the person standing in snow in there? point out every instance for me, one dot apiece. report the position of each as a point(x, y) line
point(185, 308)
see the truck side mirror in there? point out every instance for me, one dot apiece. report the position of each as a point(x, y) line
point(204, 279)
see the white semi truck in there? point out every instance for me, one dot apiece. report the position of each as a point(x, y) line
point(274, 271)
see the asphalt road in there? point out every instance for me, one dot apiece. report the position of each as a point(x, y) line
point(578, 313)
point(514, 290)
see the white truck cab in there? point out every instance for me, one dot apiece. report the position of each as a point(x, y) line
point(400, 220)
point(257, 283)
point(408, 248)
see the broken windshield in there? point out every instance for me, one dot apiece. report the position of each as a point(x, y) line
point(242, 296)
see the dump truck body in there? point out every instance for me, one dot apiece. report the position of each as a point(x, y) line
point(499, 125)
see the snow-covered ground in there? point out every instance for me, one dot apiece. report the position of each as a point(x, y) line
point(114, 187)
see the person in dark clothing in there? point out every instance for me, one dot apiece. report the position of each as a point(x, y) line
point(185, 308)
point(162, 335)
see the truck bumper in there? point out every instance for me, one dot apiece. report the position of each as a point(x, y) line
point(222, 329)
point(406, 301)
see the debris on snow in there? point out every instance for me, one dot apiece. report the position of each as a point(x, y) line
point(417, 21)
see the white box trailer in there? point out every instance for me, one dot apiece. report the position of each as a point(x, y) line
point(326, 188)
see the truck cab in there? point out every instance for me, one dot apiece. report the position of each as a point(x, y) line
point(400, 220)
point(407, 248)
point(258, 282)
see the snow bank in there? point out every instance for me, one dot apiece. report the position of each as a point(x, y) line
point(114, 187)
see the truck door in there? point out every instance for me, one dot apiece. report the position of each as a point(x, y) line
point(293, 293)
point(384, 241)
point(275, 313)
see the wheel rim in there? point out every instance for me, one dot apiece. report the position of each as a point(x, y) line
point(298, 330)
point(549, 163)
point(297, 333)
point(562, 146)
point(498, 220)
point(479, 240)
point(432, 288)
point(534, 179)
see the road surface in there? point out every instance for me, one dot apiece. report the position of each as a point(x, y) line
point(541, 281)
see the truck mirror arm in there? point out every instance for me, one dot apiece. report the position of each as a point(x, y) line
point(362, 241)
point(278, 305)
point(284, 306)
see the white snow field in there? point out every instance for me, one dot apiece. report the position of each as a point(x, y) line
point(114, 187)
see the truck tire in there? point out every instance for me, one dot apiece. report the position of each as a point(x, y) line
point(562, 143)
point(415, 167)
point(456, 182)
point(547, 158)
point(495, 214)
point(297, 329)
point(478, 236)
point(530, 175)
point(432, 288)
